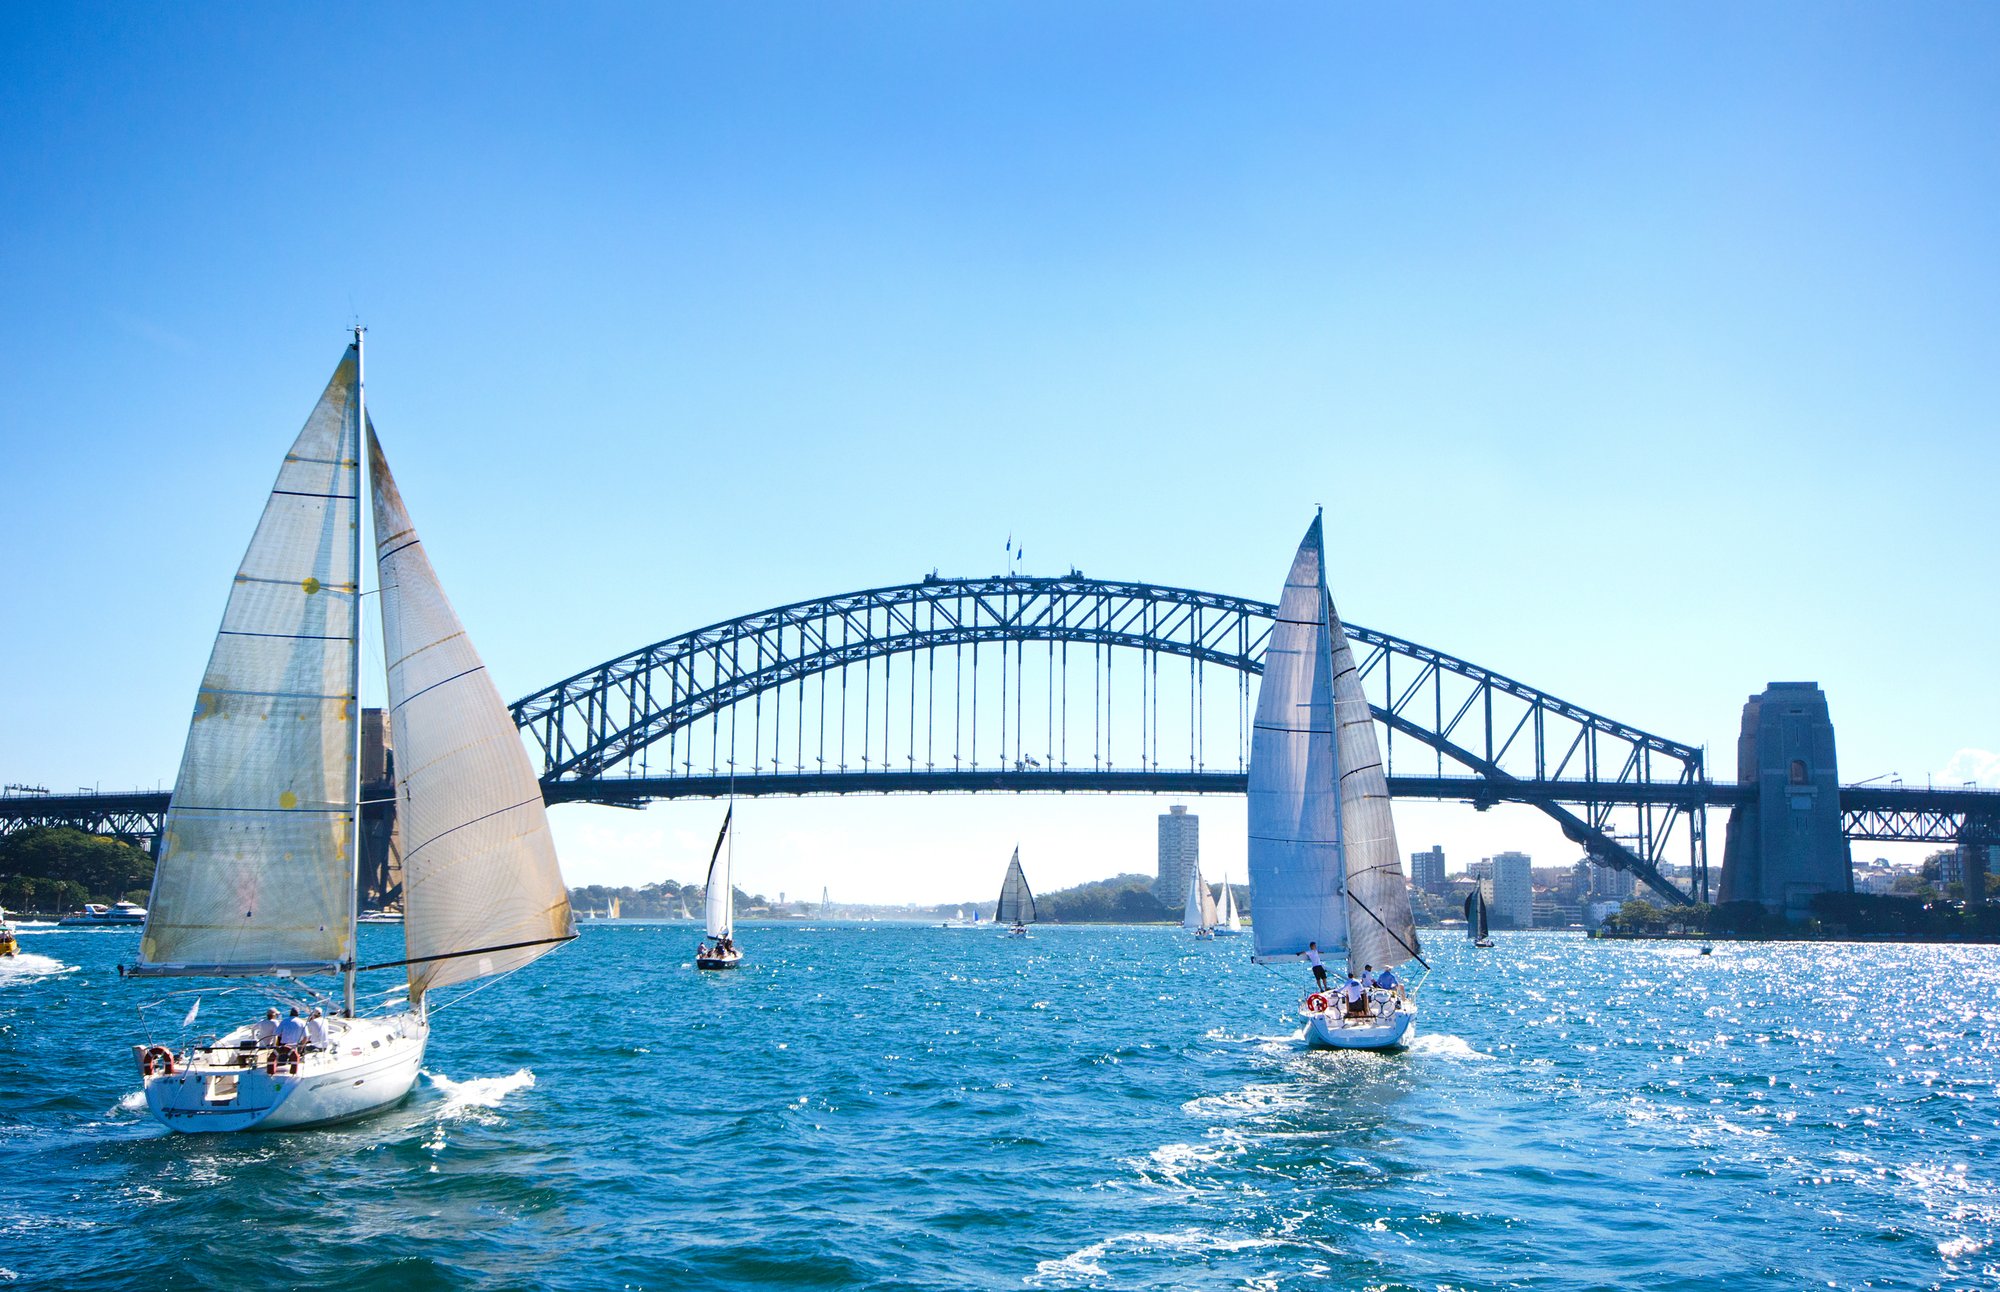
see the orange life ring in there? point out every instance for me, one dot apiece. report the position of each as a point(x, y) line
point(160, 1053)
point(1317, 1003)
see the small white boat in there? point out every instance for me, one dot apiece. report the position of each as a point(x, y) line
point(95, 915)
point(256, 874)
point(719, 903)
point(381, 915)
point(1017, 902)
point(1325, 872)
point(960, 922)
point(1199, 916)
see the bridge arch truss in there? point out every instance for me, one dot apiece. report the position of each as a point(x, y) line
point(1080, 684)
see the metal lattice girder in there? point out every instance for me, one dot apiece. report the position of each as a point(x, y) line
point(591, 725)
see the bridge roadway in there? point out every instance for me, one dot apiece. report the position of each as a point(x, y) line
point(1885, 813)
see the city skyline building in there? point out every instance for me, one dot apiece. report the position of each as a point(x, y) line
point(1513, 890)
point(1180, 853)
point(1427, 869)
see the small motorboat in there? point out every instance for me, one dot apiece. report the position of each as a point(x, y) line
point(381, 915)
point(96, 915)
point(1707, 950)
point(9, 945)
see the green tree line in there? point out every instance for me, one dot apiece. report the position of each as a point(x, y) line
point(56, 869)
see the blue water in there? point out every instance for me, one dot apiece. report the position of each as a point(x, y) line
point(870, 1105)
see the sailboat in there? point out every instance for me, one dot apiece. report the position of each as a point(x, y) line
point(1324, 867)
point(1231, 923)
point(257, 870)
point(1017, 903)
point(1199, 916)
point(719, 904)
point(1475, 919)
point(685, 913)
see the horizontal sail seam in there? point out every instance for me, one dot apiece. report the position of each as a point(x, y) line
point(301, 493)
point(476, 668)
point(295, 637)
point(462, 824)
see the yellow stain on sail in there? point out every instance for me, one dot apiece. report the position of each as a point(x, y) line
point(310, 584)
point(288, 800)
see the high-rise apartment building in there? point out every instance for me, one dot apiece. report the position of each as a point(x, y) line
point(1180, 852)
point(1427, 869)
point(1513, 890)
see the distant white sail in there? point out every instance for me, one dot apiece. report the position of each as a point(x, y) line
point(1194, 914)
point(1017, 903)
point(1230, 919)
point(1380, 928)
point(1297, 873)
point(256, 866)
point(718, 895)
point(482, 892)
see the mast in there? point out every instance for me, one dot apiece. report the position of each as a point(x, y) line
point(1333, 710)
point(354, 671)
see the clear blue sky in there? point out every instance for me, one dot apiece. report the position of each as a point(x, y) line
point(1644, 352)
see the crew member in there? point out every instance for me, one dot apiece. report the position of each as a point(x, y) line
point(1357, 997)
point(316, 1029)
point(292, 1032)
point(1318, 965)
point(266, 1030)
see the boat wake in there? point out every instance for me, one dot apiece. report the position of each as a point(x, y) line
point(1442, 1045)
point(134, 1102)
point(28, 968)
point(476, 1093)
point(1177, 1249)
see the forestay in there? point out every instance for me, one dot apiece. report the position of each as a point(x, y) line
point(482, 891)
point(256, 868)
point(1296, 868)
point(1017, 903)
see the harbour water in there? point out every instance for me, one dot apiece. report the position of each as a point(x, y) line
point(872, 1105)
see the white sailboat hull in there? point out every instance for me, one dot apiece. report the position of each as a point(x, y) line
point(1332, 1030)
point(369, 1065)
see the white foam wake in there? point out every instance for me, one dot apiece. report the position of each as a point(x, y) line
point(26, 968)
point(1445, 1046)
point(461, 1097)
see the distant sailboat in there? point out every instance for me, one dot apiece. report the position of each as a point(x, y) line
point(1017, 904)
point(1475, 918)
point(719, 901)
point(825, 901)
point(685, 913)
point(256, 876)
point(1198, 916)
point(1231, 924)
point(1323, 861)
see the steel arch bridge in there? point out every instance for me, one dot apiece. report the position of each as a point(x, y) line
point(1078, 684)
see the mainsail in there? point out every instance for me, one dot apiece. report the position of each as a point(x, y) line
point(1380, 928)
point(482, 891)
point(718, 894)
point(1297, 872)
point(256, 868)
point(1230, 919)
point(1017, 904)
point(1475, 915)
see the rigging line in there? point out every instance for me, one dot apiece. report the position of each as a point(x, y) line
point(460, 955)
point(1414, 953)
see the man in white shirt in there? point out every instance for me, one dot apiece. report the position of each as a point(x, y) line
point(266, 1030)
point(292, 1031)
point(1318, 965)
point(1357, 996)
point(316, 1029)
